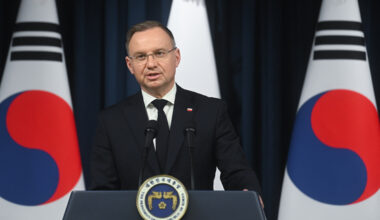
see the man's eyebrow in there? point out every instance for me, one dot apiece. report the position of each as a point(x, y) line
point(155, 50)
point(138, 52)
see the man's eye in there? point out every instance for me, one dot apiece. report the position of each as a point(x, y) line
point(141, 57)
point(160, 53)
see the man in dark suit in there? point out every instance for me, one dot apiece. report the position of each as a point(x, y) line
point(117, 152)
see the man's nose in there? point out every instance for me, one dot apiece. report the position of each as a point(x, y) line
point(151, 60)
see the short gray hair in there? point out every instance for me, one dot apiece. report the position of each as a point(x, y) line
point(145, 26)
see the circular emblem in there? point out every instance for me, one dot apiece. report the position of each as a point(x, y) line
point(162, 197)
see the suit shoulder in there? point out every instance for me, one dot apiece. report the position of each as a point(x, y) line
point(119, 106)
point(202, 99)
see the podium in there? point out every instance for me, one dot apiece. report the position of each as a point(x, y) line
point(115, 205)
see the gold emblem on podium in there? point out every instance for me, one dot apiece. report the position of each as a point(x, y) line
point(162, 197)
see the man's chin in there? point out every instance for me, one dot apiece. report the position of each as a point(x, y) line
point(153, 85)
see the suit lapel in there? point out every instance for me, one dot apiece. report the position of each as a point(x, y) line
point(137, 118)
point(180, 118)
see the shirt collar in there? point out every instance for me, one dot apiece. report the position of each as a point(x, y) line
point(170, 96)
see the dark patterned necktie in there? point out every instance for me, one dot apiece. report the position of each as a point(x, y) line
point(163, 133)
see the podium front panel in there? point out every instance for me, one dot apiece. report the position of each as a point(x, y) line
point(121, 205)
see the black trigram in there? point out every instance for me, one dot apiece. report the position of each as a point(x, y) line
point(336, 42)
point(22, 55)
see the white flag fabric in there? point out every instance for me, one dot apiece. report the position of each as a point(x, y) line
point(333, 162)
point(197, 71)
point(39, 154)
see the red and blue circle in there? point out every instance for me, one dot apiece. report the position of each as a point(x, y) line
point(39, 152)
point(335, 148)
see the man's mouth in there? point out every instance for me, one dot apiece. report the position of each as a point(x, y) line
point(152, 76)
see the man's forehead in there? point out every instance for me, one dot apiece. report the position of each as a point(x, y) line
point(149, 40)
point(151, 34)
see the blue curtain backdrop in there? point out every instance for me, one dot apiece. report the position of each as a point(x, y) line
point(261, 48)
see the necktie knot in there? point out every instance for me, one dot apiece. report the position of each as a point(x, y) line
point(159, 104)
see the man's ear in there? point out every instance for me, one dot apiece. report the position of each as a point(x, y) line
point(177, 56)
point(128, 63)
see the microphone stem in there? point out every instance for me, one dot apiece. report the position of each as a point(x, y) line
point(190, 137)
point(143, 161)
point(192, 169)
point(148, 140)
point(150, 132)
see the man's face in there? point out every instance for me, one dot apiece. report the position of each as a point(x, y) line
point(155, 76)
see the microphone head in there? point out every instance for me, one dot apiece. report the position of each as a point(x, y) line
point(151, 126)
point(190, 127)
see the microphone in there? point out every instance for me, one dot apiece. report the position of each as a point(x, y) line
point(150, 133)
point(190, 134)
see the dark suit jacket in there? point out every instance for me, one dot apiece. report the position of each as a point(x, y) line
point(117, 151)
